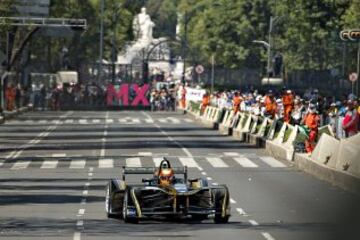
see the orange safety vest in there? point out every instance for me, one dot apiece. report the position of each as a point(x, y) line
point(206, 100)
point(311, 120)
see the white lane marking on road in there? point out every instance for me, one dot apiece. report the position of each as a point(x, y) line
point(272, 162)
point(81, 211)
point(91, 169)
point(55, 155)
point(232, 201)
point(209, 178)
point(157, 161)
point(217, 162)
point(80, 223)
point(85, 192)
point(20, 165)
point(77, 164)
point(215, 184)
point(90, 174)
point(267, 236)
point(87, 184)
point(245, 162)
point(10, 155)
point(253, 222)
point(241, 211)
point(135, 120)
point(83, 121)
point(77, 236)
point(188, 120)
point(49, 164)
point(231, 154)
point(18, 153)
point(148, 120)
point(189, 162)
point(122, 120)
point(42, 121)
point(96, 120)
point(173, 120)
point(204, 173)
point(145, 153)
point(163, 120)
point(133, 162)
point(102, 152)
point(106, 163)
point(185, 150)
point(69, 121)
point(109, 120)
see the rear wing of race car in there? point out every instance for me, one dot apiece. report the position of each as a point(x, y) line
point(151, 170)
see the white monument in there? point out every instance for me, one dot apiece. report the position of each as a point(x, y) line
point(144, 42)
point(143, 27)
point(143, 32)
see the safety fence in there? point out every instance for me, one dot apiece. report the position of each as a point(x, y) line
point(334, 160)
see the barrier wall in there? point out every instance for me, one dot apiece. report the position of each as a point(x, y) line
point(333, 160)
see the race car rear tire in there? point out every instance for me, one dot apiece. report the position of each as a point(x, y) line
point(125, 217)
point(219, 219)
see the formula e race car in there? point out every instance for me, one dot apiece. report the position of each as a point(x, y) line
point(166, 196)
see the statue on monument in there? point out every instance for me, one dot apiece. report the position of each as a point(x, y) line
point(143, 27)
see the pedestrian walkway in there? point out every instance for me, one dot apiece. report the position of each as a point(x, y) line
point(144, 159)
point(92, 121)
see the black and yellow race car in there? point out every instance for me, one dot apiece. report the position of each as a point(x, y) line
point(166, 196)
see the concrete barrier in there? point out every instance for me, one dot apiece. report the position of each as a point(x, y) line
point(282, 145)
point(208, 117)
point(243, 127)
point(335, 177)
point(326, 151)
point(348, 157)
point(226, 126)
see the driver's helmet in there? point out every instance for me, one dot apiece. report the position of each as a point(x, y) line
point(166, 177)
point(165, 165)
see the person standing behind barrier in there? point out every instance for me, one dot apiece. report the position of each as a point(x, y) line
point(351, 120)
point(311, 122)
point(205, 102)
point(288, 103)
point(298, 112)
point(270, 105)
point(183, 98)
point(10, 95)
point(236, 102)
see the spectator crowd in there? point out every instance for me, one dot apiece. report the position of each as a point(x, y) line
point(310, 110)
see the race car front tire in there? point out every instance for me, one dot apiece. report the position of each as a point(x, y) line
point(125, 216)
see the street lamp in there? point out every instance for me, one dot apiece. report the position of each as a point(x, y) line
point(268, 44)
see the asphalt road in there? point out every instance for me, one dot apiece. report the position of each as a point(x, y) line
point(54, 167)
